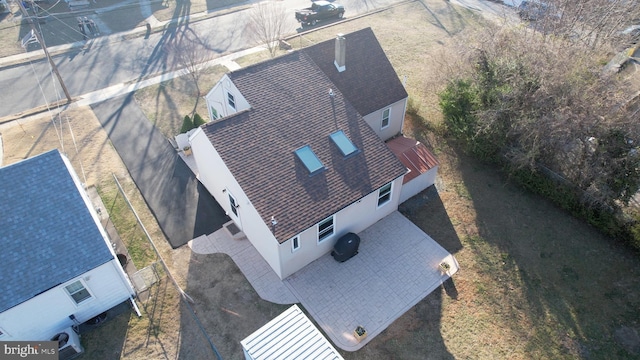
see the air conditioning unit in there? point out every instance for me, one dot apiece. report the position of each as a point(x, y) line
point(68, 344)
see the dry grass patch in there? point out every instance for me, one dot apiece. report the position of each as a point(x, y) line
point(166, 104)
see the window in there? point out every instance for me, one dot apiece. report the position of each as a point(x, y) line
point(309, 159)
point(233, 204)
point(214, 113)
point(325, 228)
point(78, 292)
point(231, 100)
point(385, 117)
point(384, 194)
point(295, 243)
point(344, 144)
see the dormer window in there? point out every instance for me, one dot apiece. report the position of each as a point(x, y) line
point(310, 160)
point(231, 100)
point(343, 143)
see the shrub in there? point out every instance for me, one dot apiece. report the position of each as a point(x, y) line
point(187, 124)
point(198, 120)
point(457, 102)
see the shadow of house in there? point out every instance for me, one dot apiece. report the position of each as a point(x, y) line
point(176, 198)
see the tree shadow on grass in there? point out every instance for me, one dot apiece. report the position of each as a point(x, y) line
point(554, 278)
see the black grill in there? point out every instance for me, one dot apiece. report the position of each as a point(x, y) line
point(346, 247)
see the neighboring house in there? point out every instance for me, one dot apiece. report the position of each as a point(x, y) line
point(57, 264)
point(295, 153)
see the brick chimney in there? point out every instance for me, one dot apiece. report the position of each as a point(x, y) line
point(341, 49)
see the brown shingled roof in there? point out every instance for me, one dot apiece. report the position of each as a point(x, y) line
point(369, 81)
point(290, 108)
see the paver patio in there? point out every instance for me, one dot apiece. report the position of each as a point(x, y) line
point(397, 266)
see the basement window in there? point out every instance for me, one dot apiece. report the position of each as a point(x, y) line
point(343, 143)
point(309, 159)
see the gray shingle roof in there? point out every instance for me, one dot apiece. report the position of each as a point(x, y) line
point(369, 81)
point(291, 108)
point(47, 234)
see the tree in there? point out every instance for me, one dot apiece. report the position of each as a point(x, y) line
point(267, 25)
point(191, 54)
point(534, 107)
point(198, 120)
point(187, 124)
point(591, 22)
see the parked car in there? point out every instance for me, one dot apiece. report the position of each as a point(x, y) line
point(319, 10)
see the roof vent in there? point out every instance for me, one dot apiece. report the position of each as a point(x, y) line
point(341, 49)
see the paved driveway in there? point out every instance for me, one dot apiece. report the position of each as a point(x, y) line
point(183, 208)
point(396, 267)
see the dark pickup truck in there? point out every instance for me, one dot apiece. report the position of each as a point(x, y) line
point(320, 10)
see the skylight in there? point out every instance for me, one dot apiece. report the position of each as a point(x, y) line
point(344, 144)
point(309, 159)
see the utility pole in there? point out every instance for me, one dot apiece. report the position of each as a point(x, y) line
point(44, 48)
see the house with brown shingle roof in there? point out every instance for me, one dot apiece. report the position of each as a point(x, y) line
point(295, 153)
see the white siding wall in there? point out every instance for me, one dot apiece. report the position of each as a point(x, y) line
point(216, 177)
point(418, 184)
point(395, 122)
point(48, 313)
point(217, 98)
point(354, 218)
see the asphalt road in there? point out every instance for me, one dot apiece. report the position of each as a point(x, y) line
point(97, 67)
point(90, 69)
point(183, 207)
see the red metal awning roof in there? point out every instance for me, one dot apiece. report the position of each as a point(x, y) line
point(414, 155)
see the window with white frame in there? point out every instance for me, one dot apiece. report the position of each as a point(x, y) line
point(295, 243)
point(386, 114)
point(325, 229)
point(214, 113)
point(78, 292)
point(231, 100)
point(384, 194)
point(233, 204)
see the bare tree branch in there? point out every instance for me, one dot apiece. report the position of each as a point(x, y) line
point(268, 23)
